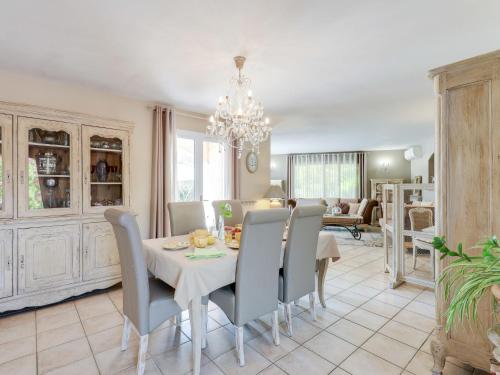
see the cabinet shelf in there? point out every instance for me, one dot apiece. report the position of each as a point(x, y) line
point(48, 145)
point(53, 176)
point(106, 150)
point(106, 183)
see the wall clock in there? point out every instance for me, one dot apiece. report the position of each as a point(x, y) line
point(252, 162)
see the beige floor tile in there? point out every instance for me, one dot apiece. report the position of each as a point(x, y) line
point(302, 331)
point(337, 307)
point(339, 371)
point(20, 366)
point(58, 336)
point(94, 306)
point(18, 348)
point(392, 299)
point(422, 308)
point(264, 344)
point(415, 320)
point(323, 320)
point(151, 369)
point(101, 322)
point(209, 368)
point(375, 284)
point(219, 341)
point(114, 360)
point(365, 291)
point(178, 360)
point(351, 332)
point(421, 364)
point(186, 326)
point(330, 347)
point(406, 290)
point(427, 345)
point(352, 278)
point(340, 283)
point(219, 316)
point(352, 298)
point(272, 370)
point(165, 339)
point(55, 309)
point(62, 355)
point(17, 320)
point(427, 297)
point(361, 362)
point(404, 333)
point(251, 330)
point(254, 362)
point(367, 319)
point(51, 321)
point(389, 349)
point(18, 332)
point(380, 308)
point(108, 339)
point(303, 361)
point(86, 366)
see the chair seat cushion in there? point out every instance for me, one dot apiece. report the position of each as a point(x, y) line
point(225, 298)
point(162, 305)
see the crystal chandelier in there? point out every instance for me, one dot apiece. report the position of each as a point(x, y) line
point(239, 118)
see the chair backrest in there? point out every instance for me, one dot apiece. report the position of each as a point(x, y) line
point(299, 263)
point(237, 209)
point(420, 218)
point(133, 266)
point(186, 217)
point(258, 265)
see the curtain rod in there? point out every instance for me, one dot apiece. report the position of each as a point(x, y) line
point(183, 113)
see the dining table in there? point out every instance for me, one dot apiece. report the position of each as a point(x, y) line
point(194, 278)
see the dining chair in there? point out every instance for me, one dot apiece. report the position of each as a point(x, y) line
point(420, 218)
point(236, 208)
point(255, 290)
point(147, 303)
point(297, 277)
point(185, 217)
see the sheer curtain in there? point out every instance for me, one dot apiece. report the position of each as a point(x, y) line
point(326, 175)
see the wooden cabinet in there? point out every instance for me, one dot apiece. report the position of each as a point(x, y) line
point(48, 257)
point(6, 265)
point(48, 167)
point(467, 184)
point(6, 191)
point(105, 168)
point(100, 252)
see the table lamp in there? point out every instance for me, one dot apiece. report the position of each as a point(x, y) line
point(275, 194)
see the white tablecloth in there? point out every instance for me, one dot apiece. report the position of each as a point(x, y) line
point(196, 278)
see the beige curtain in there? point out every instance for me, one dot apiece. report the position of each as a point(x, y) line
point(162, 186)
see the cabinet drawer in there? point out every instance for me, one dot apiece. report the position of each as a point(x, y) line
point(48, 257)
point(100, 257)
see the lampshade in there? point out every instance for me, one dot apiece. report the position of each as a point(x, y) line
point(275, 192)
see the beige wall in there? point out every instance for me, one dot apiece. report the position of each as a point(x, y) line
point(26, 89)
point(398, 167)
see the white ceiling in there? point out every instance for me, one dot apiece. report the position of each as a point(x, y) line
point(333, 75)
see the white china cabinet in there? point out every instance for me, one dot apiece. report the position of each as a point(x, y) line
point(59, 171)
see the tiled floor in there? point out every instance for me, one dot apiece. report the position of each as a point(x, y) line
point(365, 329)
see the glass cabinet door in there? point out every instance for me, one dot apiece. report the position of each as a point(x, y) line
point(105, 168)
point(48, 167)
point(6, 198)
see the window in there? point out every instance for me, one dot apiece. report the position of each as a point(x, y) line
point(201, 170)
point(325, 175)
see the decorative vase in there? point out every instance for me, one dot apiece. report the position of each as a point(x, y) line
point(220, 235)
point(101, 170)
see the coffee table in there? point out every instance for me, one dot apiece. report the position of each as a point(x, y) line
point(349, 222)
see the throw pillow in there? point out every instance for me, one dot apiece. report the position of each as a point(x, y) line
point(353, 208)
point(362, 207)
point(344, 207)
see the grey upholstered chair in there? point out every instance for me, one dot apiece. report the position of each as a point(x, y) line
point(297, 278)
point(236, 208)
point(255, 291)
point(147, 303)
point(186, 217)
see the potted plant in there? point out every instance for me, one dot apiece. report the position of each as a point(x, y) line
point(469, 277)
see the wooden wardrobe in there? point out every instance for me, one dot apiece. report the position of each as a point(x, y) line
point(467, 186)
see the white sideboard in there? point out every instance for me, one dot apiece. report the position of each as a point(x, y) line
point(59, 171)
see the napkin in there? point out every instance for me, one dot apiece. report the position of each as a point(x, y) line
point(205, 254)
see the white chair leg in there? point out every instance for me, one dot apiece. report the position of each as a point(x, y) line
point(312, 306)
point(276, 328)
point(414, 256)
point(178, 319)
point(141, 360)
point(288, 318)
point(204, 322)
point(127, 327)
point(239, 345)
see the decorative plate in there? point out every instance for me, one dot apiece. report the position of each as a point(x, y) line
point(176, 245)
